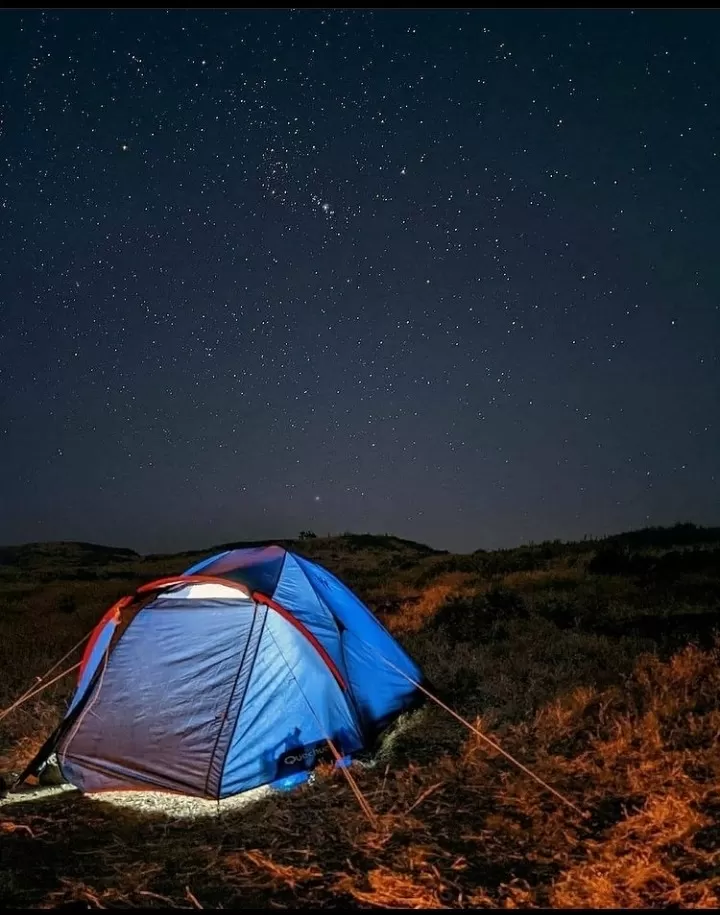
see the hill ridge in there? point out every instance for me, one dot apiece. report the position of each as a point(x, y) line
point(683, 533)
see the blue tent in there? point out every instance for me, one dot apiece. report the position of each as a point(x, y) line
point(246, 670)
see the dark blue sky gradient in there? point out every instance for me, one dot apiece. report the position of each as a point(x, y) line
point(449, 275)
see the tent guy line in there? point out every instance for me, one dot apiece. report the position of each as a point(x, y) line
point(35, 688)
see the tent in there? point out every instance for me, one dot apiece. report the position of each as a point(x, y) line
point(246, 670)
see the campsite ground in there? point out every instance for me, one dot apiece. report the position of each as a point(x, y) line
point(594, 663)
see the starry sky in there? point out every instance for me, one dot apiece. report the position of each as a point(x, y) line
point(448, 275)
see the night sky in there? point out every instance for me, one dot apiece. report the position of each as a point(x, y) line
point(453, 276)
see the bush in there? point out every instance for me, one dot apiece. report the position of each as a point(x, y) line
point(618, 561)
point(67, 604)
point(465, 619)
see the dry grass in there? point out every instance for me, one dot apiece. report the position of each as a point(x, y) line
point(461, 830)
point(627, 735)
point(415, 610)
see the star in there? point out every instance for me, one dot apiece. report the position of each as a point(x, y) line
point(481, 348)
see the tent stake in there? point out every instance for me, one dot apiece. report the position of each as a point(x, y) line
point(366, 808)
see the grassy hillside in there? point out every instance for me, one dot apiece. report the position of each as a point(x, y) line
point(594, 663)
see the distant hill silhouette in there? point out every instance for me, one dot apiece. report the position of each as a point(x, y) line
point(63, 552)
point(611, 552)
point(683, 534)
point(347, 541)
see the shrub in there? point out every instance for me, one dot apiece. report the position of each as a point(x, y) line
point(464, 619)
point(67, 603)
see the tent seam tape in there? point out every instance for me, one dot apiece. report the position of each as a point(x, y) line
point(229, 703)
point(244, 695)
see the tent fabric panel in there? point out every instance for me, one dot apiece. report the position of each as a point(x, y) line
point(378, 689)
point(292, 704)
point(295, 593)
point(101, 639)
point(157, 707)
point(256, 567)
point(305, 632)
point(199, 566)
point(90, 776)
